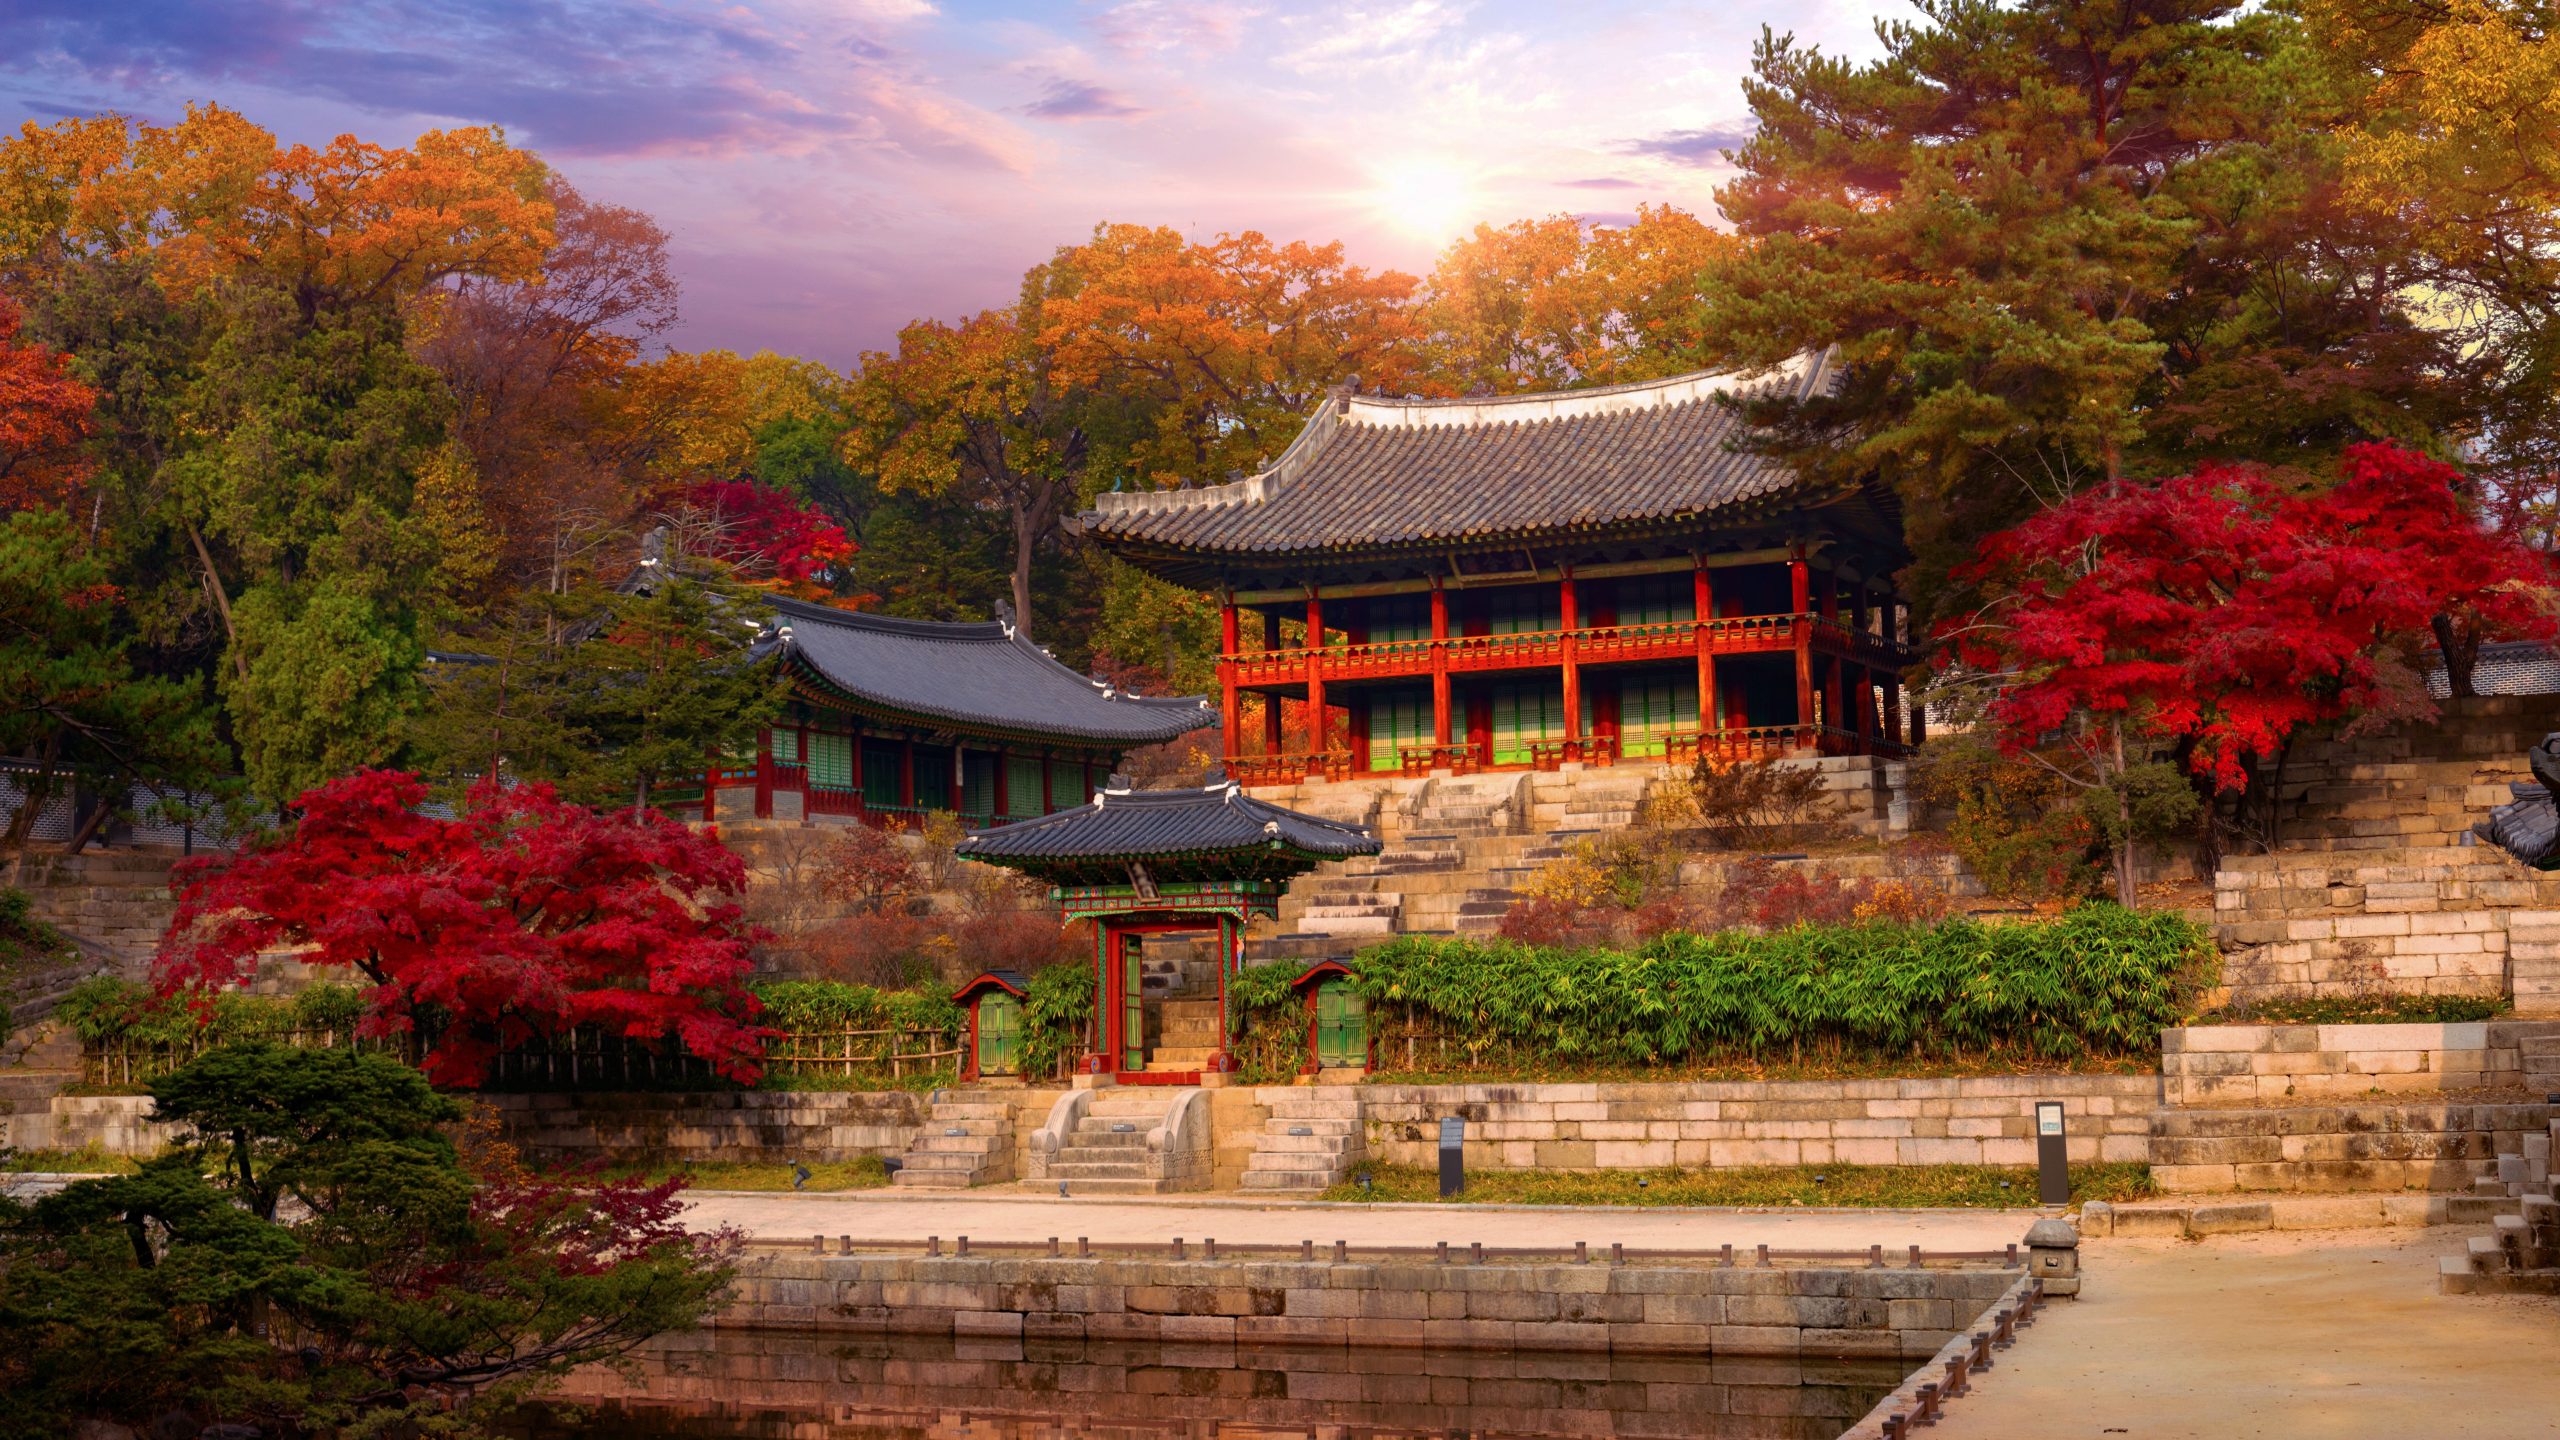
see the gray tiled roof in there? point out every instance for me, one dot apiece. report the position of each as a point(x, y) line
point(984, 675)
point(1117, 823)
point(1367, 472)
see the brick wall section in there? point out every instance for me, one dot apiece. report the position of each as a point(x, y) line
point(1696, 1310)
point(2262, 1064)
point(1972, 1121)
point(2419, 784)
point(2441, 1147)
point(740, 1125)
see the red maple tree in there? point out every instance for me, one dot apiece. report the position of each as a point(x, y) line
point(2221, 614)
point(45, 415)
point(524, 919)
point(769, 534)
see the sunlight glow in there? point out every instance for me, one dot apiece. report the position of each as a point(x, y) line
point(1428, 199)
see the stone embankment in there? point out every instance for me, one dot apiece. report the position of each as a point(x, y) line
point(1886, 1311)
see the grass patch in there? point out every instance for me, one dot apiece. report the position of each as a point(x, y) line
point(1807, 1067)
point(865, 1172)
point(2361, 1010)
point(781, 1078)
point(1881, 1186)
point(89, 1159)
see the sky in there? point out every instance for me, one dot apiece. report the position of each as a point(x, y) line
point(831, 169)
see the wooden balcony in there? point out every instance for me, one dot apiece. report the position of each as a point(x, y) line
point(1289, 769)
point(1659, 643)
point(1463, 758)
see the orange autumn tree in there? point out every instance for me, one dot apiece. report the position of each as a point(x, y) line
point(216, 197)
point(1226, 345)
point(1542, 304)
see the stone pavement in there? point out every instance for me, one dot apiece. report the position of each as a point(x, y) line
point(911, 1215)
point(2338, 1334)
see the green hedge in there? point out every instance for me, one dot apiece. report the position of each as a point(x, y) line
point(103, 1010)
point(2097, 981)
point(838, 1005)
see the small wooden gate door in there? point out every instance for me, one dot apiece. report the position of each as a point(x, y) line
point(999, 1033)
point(1133, 1010)
point(1342, 1026)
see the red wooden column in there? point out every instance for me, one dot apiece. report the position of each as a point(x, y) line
point(1002, 801)
point(1270, 702)
point(1439, 667)
point(764, 773)
point(1231, 719)
point(1570, 610)
point(1315, 675)
point(1800, 588)
point(853, 763)
point(906, 776)
point(1709, 718)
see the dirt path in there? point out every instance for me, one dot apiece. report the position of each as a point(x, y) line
point(2338, 1334)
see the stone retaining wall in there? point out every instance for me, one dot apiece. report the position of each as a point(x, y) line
point(1693, 1310)
point(116, 1124)
point(768, 1125)
point(2348, 922)
point(2254, 1064)
point(1972, 1121)
point(2441, 1147)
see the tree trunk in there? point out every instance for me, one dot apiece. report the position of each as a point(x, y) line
point(2460, 646)
point(1022, 547)
point(221, 600)
point(2124, 828)
point(89, 828)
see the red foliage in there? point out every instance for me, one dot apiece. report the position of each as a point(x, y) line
point(770, 535)
point(44, 418)
point(524, 919)
point(2221, 609)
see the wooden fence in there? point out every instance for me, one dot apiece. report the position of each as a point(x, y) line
point(125, 1064)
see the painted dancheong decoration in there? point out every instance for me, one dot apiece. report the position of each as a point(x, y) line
point(2529, 827)
point(1154, 862)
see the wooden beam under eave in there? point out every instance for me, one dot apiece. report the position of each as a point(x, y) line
point(1545, 575)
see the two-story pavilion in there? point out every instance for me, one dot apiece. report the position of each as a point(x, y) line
point(1589, 575)
point(890, 719)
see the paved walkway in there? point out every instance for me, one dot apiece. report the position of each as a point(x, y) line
point(2338, 1334)
point(906, 1215)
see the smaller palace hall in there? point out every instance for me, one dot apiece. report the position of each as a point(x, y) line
point(890, 720)
point(1535, 580)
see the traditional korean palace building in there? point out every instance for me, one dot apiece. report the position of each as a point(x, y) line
point(1535, 580)
point(892, 719)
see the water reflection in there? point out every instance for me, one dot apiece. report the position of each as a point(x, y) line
point(763, 1386)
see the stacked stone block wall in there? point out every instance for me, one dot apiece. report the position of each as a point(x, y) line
point(115, 1124)
point(2211, 1065)
point(2340, 923)
point(758, 1125)
point(1969, 1121)
point(2419, 784)
point(1695, 1310)
point(2436, 1147)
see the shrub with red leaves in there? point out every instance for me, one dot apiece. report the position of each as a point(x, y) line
point(522, 920)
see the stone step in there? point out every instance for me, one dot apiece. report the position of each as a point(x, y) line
point(936, 1142)
point(1283, 1143)
point(1072, 1170)
point(971, 1112)
point(1100, 1141)
point(1174, 1058)
point(1104, 1184)
point(956, 1161)
point(912, 1179)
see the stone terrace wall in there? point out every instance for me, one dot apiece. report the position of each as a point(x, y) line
point(1694, 1310)
point(2343, 922)
point(767, 1125)
point(2414, 785)
point(2441, 1147)
point(116, 1124)
point(1974, 1121)
point(2257, 1064)
point(774, 1384)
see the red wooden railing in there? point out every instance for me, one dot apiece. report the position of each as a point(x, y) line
point(1461, 759)
point(1657, 641)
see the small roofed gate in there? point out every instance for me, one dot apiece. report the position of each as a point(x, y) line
point(1146, 862)
point(993, 1003)
point(1342, 1027)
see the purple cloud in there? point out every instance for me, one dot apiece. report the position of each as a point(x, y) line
point(1599, 182)
point(1081, 100)
point(585, 77)
point(1691, 147)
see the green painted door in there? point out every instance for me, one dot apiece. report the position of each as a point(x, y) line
point(1133, 1011)
point(1342, 1026)
point(999, 1034)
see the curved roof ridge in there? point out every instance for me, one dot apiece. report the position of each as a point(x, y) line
point(1530, 407)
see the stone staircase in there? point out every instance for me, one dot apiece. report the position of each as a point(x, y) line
point(2541, 1054)
point(1187, 1037)
point(1311, 1140)
point(2521, 1253)
point(1105, 1152)
point(967, 1140)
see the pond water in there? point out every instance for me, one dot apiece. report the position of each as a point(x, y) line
point(738, 1385)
